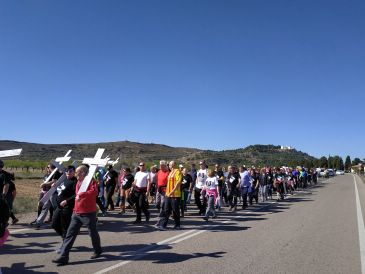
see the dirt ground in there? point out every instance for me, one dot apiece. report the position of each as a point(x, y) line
point(27, 187)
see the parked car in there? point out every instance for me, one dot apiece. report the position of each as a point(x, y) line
point(330, 172)
point(323, 173)
point(340, 172)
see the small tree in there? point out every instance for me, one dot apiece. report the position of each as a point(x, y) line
point(348, 163)
point(323, 162)
point(356, 161)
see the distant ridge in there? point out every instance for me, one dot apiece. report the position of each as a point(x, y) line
point(133, 152)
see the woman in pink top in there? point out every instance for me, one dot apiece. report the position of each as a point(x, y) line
point(211, 189)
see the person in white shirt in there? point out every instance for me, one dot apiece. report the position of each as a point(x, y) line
point(199, 185)
point(141, 186)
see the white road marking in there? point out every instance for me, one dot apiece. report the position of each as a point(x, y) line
point(145, 251)
point(177, 236)
point(361, 228)
point(19, 230)
point(188, 237)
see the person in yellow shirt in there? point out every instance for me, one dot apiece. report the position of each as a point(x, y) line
point(172, 199)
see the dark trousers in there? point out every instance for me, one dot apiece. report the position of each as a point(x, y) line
point(77, 221)
point(109, 197)
point(201, 206)
point(141, 205)
point(184, 198)
point(232, 197)
point(100, 204)
point(170, 205)
point(61, 221)
point(244, 193)
point(254, 194)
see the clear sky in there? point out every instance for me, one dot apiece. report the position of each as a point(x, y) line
point(193, 73)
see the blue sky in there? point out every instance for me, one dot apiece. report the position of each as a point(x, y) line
point(205, 74)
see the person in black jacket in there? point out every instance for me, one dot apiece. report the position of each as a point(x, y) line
point(126, 188)
point(65, 201)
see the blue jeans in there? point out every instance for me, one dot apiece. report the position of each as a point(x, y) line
point(244, 193)
point(211, 208)
point(263, 192)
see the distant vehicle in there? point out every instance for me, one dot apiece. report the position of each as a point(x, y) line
point(330, 172)
point(323, 173)
point(340, 172)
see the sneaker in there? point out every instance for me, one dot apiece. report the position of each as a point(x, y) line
point(37, 225)
point(15, 221)
point(161, 228)
point(33, 223)
point(96, 255)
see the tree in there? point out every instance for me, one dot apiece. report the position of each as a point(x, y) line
point(323, 162)
point(348, 163)
point(341, 166)
point(356, 161)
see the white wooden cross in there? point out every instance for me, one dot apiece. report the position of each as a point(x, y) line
point(58, 163)
point(10, 152)
point(110, 162)
point(94, 163)
point(113, 163)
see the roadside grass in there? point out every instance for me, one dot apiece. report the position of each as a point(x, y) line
point(25, 204)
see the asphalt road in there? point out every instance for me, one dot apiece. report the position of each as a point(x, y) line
point(314, 231)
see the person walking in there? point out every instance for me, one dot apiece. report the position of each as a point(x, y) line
point(199, 186)
point(233, 185)
point(65, 200)
point(172, 199)
point(212, 192)
point(186, 189)
point(161, 181)
point(84, 213)
point(125, 187)
point(141, 188)
point(111, 178)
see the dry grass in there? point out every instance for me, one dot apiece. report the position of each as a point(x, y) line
point(27, 195)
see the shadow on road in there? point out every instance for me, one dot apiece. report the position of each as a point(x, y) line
point(170, 258)
point(20, 268)
point(29, 248)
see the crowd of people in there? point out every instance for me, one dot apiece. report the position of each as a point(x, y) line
point(168, 187)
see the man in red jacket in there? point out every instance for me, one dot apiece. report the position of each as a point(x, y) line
point(84, 213)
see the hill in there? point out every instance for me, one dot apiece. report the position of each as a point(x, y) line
point(132, 152)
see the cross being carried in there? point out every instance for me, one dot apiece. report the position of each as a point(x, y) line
point(94, 163)
point(58, 164)
point(10, 152)
point(112, 163)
